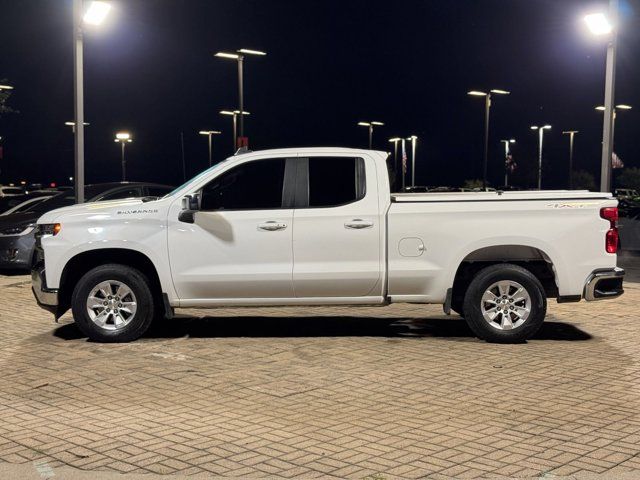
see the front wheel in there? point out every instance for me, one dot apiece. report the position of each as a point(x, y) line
point(113, 303)
point(505, 303)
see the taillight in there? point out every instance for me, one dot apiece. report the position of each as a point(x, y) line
point(609, 213)
point(611, 238)
point(611, 241)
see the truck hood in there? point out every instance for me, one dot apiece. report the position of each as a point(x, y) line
point(107, 207)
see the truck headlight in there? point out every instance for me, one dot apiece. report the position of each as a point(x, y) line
point(49, 229)
point(17, 230)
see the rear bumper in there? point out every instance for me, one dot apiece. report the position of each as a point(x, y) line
point(604, 284)
point(47, 298)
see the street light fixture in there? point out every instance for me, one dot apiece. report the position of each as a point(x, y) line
point(73, 125)
point(506, 156)
point(602, 25)
point(487, 109)
point(234, 114)
point(621, 106)
point(95, 15)
point(123, 138)
point(6, 87)
point(210, 133)
point(598, 24)
point(239, 57)
point(370, 125)
point(540, 141)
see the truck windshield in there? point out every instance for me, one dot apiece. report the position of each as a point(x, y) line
point(198, 176)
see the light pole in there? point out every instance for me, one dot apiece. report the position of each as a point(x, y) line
point(487, 109)
point(506, 158)
point(571, 134)
point(239, 56)
point(413, 139)
point(210, 133)
point(600, 25)
point(123, 138)
point(370, 126)
point(235, 114)
point(395, 141)
point(540, 140)
point(404, 162)
point(95, 15)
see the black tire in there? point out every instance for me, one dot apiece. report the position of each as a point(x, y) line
point(473, 303)
point(137, 324)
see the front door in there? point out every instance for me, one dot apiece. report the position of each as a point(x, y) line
point(240, 244)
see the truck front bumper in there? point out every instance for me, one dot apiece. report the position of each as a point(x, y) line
point(47, 298)
point(604, 284)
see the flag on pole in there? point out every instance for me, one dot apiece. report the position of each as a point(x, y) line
point(404, 158)
point(616, 162)
point(509, 164)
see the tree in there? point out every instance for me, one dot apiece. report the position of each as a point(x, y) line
point(4, 96)
point(583, 180)
point(473, 183)
point(629, 178)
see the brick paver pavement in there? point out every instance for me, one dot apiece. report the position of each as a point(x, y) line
point(324, 392)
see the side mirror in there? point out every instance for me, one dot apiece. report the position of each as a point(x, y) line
point(191, 202)
point(190, 205)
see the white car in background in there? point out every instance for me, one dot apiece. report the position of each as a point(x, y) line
point(10, 191)
point(319, 226)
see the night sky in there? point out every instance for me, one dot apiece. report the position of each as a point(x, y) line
point(409, 63)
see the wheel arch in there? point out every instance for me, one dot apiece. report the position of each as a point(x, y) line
point(532, 258)
point(82, 262)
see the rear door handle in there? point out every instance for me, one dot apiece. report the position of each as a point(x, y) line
point(272, 226)
point(358, 223)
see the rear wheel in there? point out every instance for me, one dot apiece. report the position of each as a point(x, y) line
point(505, 303)
point(113, 303)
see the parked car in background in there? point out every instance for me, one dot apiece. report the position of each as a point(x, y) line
point(629, 206)
point(10, 191)
point(8, 203)
point(17, 238)
point(26, 204)
point(626, 193)
point(415, 189)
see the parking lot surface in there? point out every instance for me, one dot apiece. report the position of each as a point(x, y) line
point(396, 392)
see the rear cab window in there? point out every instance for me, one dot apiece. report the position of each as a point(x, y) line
point(335, 181)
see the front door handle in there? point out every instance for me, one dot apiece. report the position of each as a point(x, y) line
point(272, 226)
point(358, 223)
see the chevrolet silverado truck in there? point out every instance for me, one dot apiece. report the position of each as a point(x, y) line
point(319, 226)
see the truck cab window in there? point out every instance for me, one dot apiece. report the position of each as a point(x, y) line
point(253, 185)
point(335, 181)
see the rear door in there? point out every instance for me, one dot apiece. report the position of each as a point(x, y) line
point(337, 226)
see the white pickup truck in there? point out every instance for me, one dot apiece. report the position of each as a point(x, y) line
point(319, 226)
